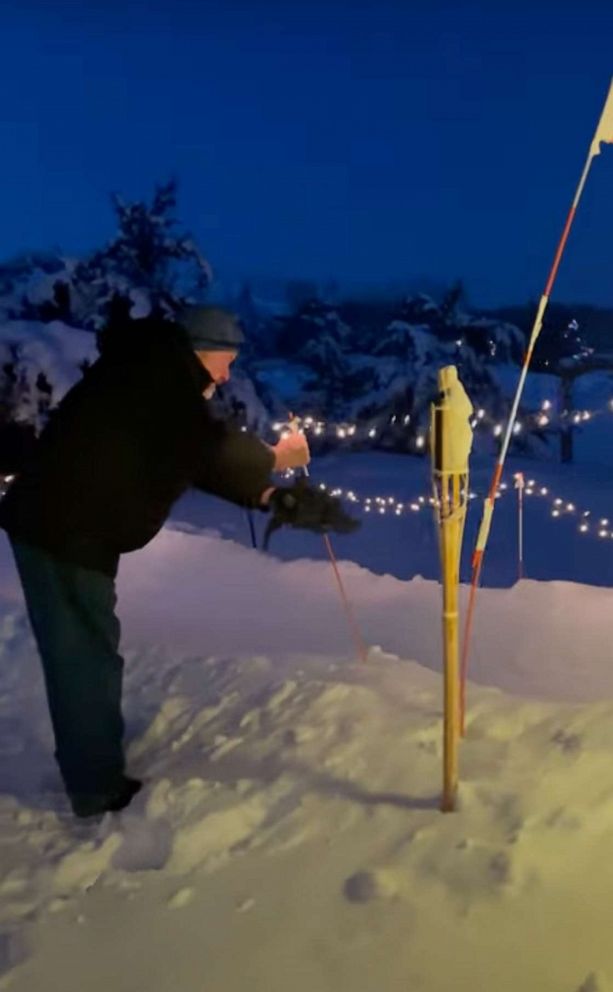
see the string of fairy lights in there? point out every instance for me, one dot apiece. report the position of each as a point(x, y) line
point(545, 417)
point(588, 522)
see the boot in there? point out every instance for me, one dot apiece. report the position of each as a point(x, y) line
point(95, 803)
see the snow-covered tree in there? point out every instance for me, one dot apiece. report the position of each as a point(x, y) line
point(317, 338)
point(34, 286)
point(147, 266)
point(312, 322)
point(25, 401)
point(422, 337)
point(149, 263)
point(564, 353)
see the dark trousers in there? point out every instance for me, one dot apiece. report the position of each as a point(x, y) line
point(71, 611)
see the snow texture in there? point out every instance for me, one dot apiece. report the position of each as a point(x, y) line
point(289, 833)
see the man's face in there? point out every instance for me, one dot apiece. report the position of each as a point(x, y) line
point(217, 364)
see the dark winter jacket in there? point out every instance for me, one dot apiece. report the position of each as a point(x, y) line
point(125, 442)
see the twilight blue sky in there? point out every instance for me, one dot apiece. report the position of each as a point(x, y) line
point(368, 140)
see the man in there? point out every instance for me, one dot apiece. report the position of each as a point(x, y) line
point(125, 442)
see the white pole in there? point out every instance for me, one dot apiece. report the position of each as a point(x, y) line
point(520, 486)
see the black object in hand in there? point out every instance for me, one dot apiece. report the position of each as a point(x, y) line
point(306, 508)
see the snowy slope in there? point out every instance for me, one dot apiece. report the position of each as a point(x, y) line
point(289, 835)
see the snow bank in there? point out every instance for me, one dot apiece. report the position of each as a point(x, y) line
point(555, 643)
point(289, 835)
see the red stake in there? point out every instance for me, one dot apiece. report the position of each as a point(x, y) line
point(352, 623)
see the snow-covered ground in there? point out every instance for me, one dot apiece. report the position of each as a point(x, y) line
point(289, 835)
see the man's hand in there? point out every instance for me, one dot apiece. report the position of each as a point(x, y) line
point(292, 451)
point(306, 508)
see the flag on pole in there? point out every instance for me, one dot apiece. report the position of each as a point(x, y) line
point(604, 131)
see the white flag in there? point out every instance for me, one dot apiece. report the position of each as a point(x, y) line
point(604, 131)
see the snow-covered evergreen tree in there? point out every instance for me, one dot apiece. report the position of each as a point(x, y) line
point(559, 342)
point(148, 263)
point(316, 338)
point(385, 378)
point(562, 351)
point(422, 337)
point(44, 296)
point(313, 322)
